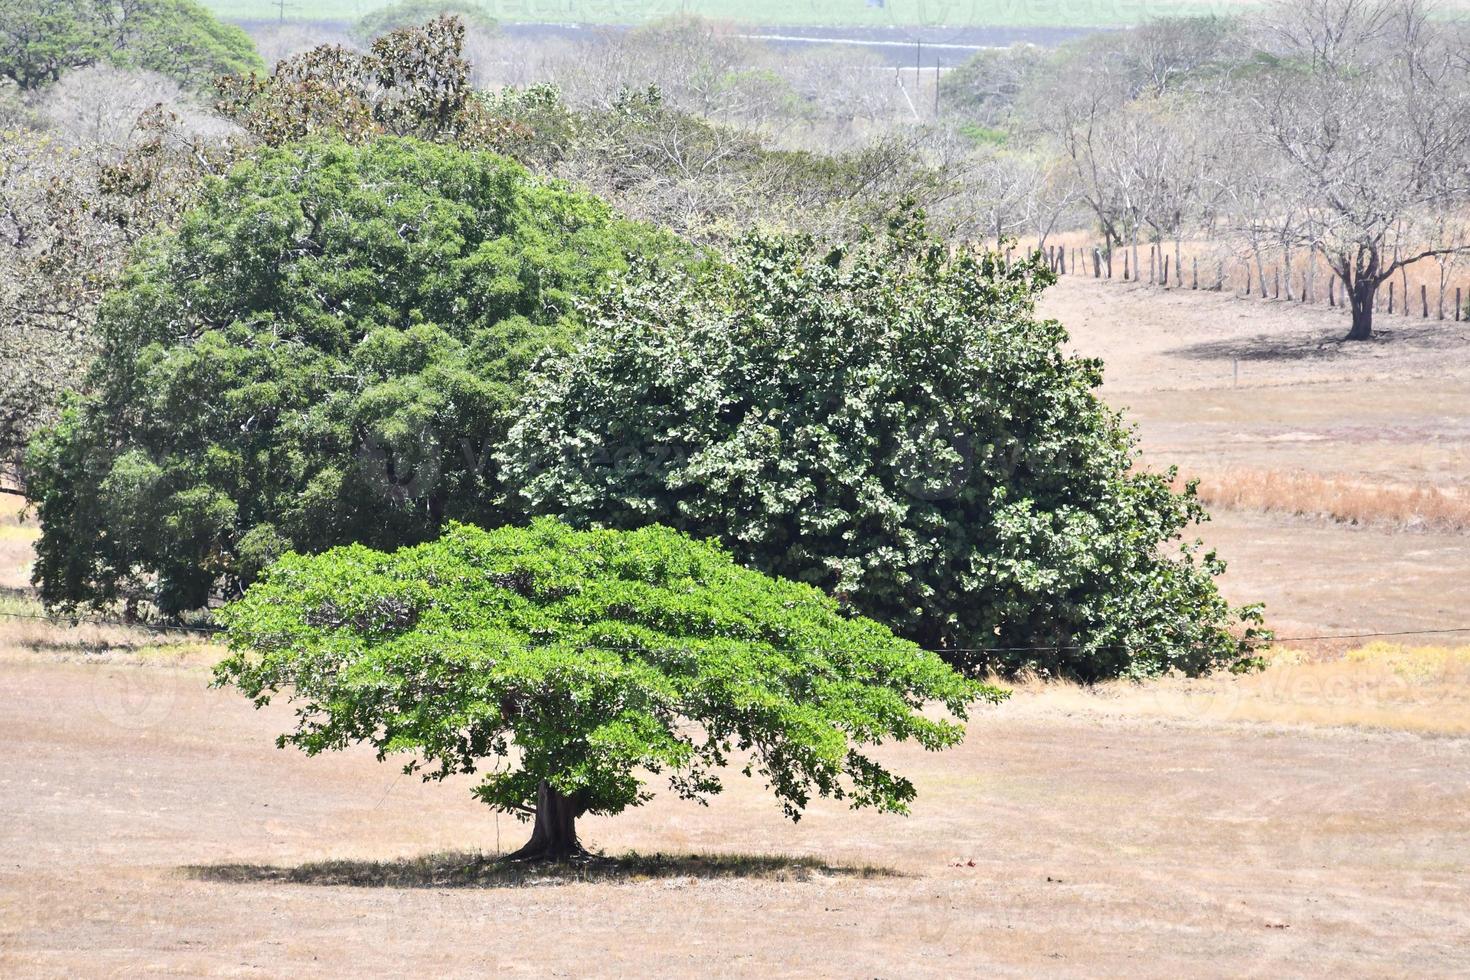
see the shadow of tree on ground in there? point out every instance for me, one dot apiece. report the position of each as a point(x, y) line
point(1324, 345)
point(477, 870)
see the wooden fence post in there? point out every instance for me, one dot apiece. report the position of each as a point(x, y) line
point(1096, 262)
point(1196, 273)
point(1125, 265)
point(1390, 298)
point(1277, 276)
point(1061, 261)
point(1110, 262)
point(1332, 292)
point(1152, 262)
point(1424, 299)
point(1457, 304)
point(1247, 278)
point(1166, 271)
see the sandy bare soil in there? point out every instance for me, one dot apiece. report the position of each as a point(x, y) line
point(144, 820)
point(1214, 380)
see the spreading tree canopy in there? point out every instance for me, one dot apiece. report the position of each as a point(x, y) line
point(569, 666)
point(894, 424)
point(40, 39)
point(326, 351)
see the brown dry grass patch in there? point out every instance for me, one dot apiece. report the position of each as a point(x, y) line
point(27, 632)
point(1338, 499)
point(1380, 687)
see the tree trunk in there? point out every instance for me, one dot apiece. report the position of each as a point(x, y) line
point(554, 834)
point(1361, 296)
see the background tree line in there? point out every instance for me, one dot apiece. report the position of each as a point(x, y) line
point(1325, 137)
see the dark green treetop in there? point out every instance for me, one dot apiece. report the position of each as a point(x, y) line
point(892, 422)
point(327, 351)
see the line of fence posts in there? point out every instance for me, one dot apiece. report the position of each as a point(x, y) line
point(1065, 260)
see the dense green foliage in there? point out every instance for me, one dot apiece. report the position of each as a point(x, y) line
point(40, 39)
point(589, 660)
point(412, 13)
point(326, 351)
point(896, 426)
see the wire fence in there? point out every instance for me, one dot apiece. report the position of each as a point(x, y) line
point(1303, 280)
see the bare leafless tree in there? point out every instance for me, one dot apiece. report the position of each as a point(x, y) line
point(98, 107)
point(1368, 113)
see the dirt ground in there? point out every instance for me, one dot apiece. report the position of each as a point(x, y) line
point(144, 817)
point(1310, 819)
point(1215, 382)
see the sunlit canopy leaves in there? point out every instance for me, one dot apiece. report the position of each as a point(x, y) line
point(590, 660)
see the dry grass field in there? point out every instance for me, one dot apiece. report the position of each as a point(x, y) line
point(1340, 472)
point(1311, 818)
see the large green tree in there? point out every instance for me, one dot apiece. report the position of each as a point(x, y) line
point(581, 663)
point(326, 351)
point(40, 39)
point(893, 423)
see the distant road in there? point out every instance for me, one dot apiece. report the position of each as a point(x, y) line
point(895, 44)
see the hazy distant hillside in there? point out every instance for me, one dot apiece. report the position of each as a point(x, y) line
point(934, 14)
